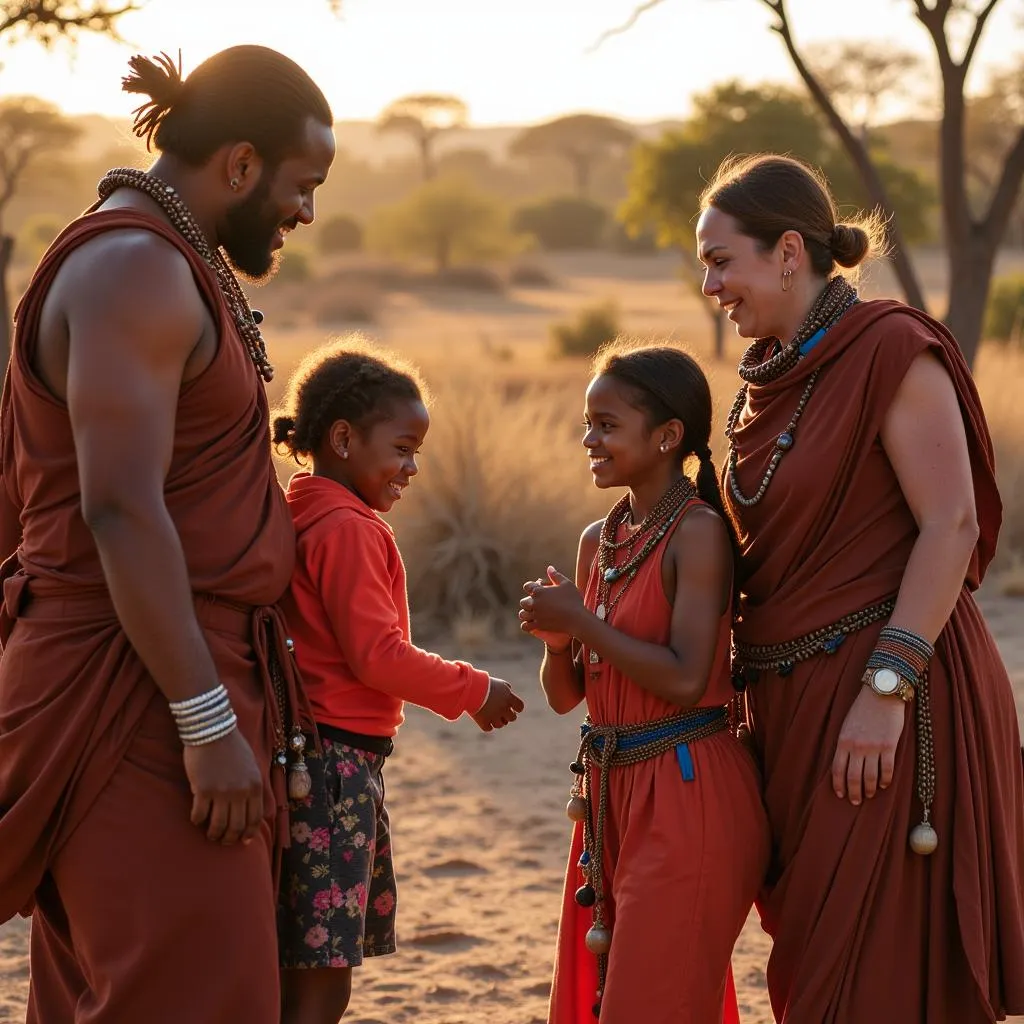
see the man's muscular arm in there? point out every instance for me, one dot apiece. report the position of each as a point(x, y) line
point(134, 317)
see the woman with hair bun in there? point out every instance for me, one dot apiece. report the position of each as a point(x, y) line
point(861, 485)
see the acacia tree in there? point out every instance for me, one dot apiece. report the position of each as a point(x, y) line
point(49, 20)
point(424, 117)
point(581, 139)
point(29, 129)
point(444, 220)
point(972, 239)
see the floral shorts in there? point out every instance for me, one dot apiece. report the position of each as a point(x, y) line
point(337, 901)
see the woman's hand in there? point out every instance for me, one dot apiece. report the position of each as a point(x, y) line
point(866, 753)
point(551, 610)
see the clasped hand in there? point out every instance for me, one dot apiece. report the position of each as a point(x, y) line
point(551, 609)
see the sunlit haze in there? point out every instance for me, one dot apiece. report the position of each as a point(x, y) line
point(513, 61)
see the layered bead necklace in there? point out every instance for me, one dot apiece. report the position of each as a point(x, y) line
point(837, 297)
point(654, 526)
point(185, 224)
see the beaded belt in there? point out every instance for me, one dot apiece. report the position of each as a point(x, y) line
point(611, 746)
point(750, 660)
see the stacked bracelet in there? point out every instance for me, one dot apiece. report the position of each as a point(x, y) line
point(902, 650)
point(205, 718)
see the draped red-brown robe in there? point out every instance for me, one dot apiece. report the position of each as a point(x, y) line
point(137, 915)
point(865, 930)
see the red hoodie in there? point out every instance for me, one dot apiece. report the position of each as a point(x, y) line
point(348, 613)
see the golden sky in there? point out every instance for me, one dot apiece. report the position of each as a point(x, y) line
point(513, 61)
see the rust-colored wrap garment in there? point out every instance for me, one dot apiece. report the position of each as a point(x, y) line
point(864, 929)
point(137, 916)
point(683, 859)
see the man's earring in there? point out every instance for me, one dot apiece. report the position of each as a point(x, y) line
point(234, 184)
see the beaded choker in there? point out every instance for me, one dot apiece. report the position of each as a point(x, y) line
point(838, 296)
point(185, 224)
point(833, 302)
point(654, 525)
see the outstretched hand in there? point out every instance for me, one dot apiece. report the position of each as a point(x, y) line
point(554, 607)
point(502, 706)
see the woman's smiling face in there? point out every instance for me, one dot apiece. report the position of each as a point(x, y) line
point(742, 276)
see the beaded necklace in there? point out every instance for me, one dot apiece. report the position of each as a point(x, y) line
point(185, 224)
point(837, 297)
point(656, 523)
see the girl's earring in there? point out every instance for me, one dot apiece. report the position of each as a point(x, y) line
point(344, 453)
point(663, 448)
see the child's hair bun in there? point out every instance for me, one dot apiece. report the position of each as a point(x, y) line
point(284, 429)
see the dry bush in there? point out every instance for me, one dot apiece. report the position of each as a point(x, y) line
point(345, 300)
point(504, 490)
point(467, 278)
point(593, 327)
point(530, 275)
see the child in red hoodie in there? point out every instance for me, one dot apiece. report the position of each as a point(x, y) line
point(359, 419)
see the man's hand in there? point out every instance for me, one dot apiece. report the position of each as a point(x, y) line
point(227, 789)
point(501, 707)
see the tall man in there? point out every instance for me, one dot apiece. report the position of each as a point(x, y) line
point(151, 543)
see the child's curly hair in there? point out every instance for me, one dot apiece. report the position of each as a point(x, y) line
point(349, 379)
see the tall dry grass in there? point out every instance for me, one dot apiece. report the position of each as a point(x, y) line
point(1000, 377)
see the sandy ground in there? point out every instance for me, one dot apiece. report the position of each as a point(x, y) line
point(481, 839)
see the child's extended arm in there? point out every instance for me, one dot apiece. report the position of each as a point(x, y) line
point(352, 569)
point(698, 568)
point(561, 674)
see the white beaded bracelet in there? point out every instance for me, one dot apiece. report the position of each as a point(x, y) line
point(179, 707)
point(204, 718)
point(214, 733)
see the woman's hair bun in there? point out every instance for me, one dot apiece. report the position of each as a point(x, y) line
point(849, 244)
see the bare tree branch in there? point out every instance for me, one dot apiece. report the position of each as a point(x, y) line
point(1005, 196)
point(50, 19)
point(979, 27)
point(858, 153)
point(637, 14)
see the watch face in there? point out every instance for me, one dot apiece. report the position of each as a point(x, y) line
point(886, 681)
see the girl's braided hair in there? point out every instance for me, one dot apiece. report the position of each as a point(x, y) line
point(667, 383)
point(349, 379)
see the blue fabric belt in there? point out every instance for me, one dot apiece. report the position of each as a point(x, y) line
point(631, 741)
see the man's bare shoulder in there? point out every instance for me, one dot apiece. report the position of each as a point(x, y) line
point(129, 267)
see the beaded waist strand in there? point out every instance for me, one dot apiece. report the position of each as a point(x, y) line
point(603, 747)
point(749, 661)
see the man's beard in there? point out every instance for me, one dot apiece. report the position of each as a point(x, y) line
point(247, 235)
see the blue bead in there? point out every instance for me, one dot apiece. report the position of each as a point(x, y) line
point(584, 859)
point(833, 643)
point(784, 441)
point(611, 575)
